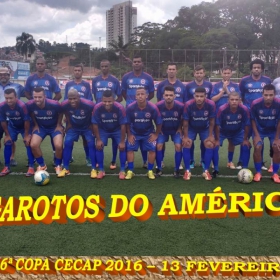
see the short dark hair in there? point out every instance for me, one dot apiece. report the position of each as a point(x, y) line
point(200, 89)
point(39, 89)
point(137, 55)
point(104, 60)
point(171, 63)
point(80, 65)
point(169, 88)
point(227, 67)
point(140, 88)
point(269, 87)
point(108, 93)
point(10, 90)
point(198, 68)
point(257, 61)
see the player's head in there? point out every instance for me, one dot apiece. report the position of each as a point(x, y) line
point(105, 66)
point(137, 63)
point(4, 75)
point(226, 73)
point(108, 99)
point(141, 96)
point(199, 73)
point(257, 67)
point(10, 96)
point(171, 70)
point(39, 96)
point(233, 99)
point(78, 71)
point(268, 94)
point(200, 95)
point(40, 65)
point(73, 97)
point(169, 94)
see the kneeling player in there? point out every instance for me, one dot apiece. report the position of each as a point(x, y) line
point(109, 121)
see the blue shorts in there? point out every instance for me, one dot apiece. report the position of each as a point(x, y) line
point(45, 132)
point(14, 132)
point(115, 136)
point(270, 136)
point(176, 138)
point(202, 134)
point(236, 139)
point(141, 140)
point(73, 135)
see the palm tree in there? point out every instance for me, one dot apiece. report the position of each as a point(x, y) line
point(120, 49)
point(25, 45)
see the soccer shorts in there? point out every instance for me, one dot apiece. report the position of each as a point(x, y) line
point(176, 138)
point(141, 140)
point(45, 132)
point(270, 136)
point(202, 134)
point(14, 132)
point(72, 135)
point(235, 139)
point(115, 136)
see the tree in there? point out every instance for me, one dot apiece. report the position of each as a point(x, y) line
point(25, 45)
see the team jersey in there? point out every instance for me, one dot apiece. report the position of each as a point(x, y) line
point(276, 83)
point(19, 89)
point(252, 89)
point(141, 120)
point(171, 118)
point(83, 89)
point(191, 87)
point(231, 123)
point(17, 115)
point(109, 121)
point(46, 117)
point(131, 82)
point(47, 82)
point(179, 87)
point(266, 118)
point(80, 117)
point(199, 118)
point(99, 85)
point(217, 88)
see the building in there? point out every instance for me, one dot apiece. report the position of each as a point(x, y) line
point(121, 19)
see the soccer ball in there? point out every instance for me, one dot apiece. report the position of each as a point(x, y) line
point(41, 178)
point(245, 176)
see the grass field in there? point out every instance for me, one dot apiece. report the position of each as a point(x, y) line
point(240, 236)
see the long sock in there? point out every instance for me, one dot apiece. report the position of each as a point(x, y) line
point(8, 153)
point(186, 157)
point(208, 157)
point(150, 166)
point(275, 168)
point(258, 167)
point(163, 153)
point(216, 158)
point(144, 154)
point(53, 147)
point(178, 159)
point(159, 159)
point(240, 155)
point(86, 149)
point(114, 151)
point(245, 155)
point(262, 152)
point(202, 151)
point(40, 161)
point(67, 154)
point(100, 159)
point(57, 161)
point(92, 154)
point(230, 156)
point(122, 156)
point(130, 165)
point(192, 152)
point(30, 156)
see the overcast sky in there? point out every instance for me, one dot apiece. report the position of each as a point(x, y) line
point(61, 20)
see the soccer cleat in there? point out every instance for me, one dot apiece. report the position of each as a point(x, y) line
point(63, 173)
point(113, 165)
point(41, 168)
point(162, 165)
point(181, 167)
point(270, 169)
point(177, 174)
point(263, 166)
point(122, 175)
point(30, 172)
point(145, 165)
point(88, 162)
point(187, 175)
point(215, 173)
point(158, 172)
point(13, 162)
point(5, 171)
point(207, 176)
point(230, 165)
point(129, 175)
point(93, 174)
point(192, 164)
point(58, 169)
point(257, 177)
point(151, 175)
point(239, 165)
point(275, 178)
point(100, 175)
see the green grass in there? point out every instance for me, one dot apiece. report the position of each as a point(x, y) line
point(239, 236)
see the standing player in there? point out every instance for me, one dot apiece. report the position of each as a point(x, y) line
point(171, 112)
point(103, 82)
point(233, 123)
point(47, 118)
point(140, 130)
point(133, 80)
point(18, 123)
point(199, 118)
point(78, 113)
point(109, 121)
point(265, 115)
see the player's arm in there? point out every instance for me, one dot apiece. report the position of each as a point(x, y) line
point(154, 136)
point(130, 136)
point(257, 139)
point(276, 141)
point(211, 130)
point(56, 90)
point(186, 141)
point(119, 98)
point(217, 135)
point(99, 143)
point(124, 94)
point(151, 95)
point(179, 130)
point(7, 134)
point(59, 126)
point(118, 92)
point(67, 121)
point(28, 95)
point(218, 96)
point(246, 136)
point(57, 96)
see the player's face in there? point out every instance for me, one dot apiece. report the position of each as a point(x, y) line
point(171, 71)
point(4, 78)
point(74, 100)
point(40, 65)
point(268, 96)
point(169, 96)
point(141, 96)
point(199, 75)
point(39, 98)
point(78, 72)
point(11, 99)
point(233, 101)
point(137, 64)
point(256, 70)
point(108, 102)
point(199, 98)
point(105, 67)
point(226, 74)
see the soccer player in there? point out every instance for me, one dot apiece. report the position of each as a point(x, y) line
point(140, 130)
point(233, 123)
point(276, 83)
point(18, 123)
point(78, 113)
point(103, 82)
point(251, 88)
point(47, 117)
point(131, 81)
point(199, 118)
point(109, 121)
point(220, 95)
point(265, 116)
point(171, 112)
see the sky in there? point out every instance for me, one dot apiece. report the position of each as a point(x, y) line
point(68, 21)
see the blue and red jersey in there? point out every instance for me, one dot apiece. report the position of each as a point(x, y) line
point(192, 86)
point(83, 89)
